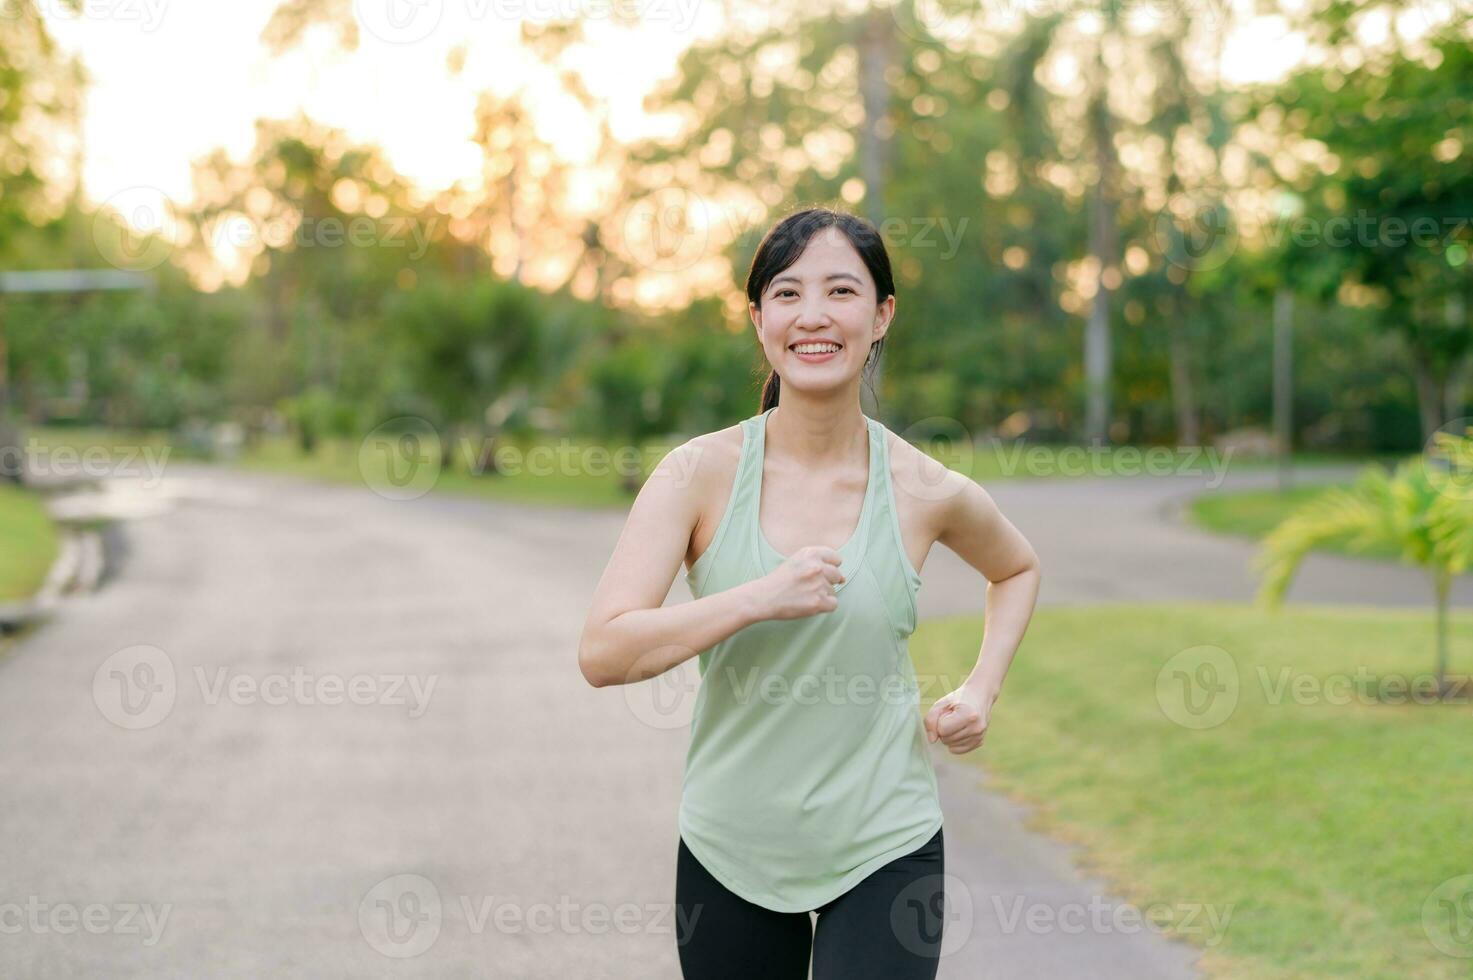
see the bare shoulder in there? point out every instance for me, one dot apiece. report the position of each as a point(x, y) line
point(708, 460)
point(958, 512)
point(924, 486)
point(703, 468)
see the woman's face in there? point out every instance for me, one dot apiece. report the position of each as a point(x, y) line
point(827, 295)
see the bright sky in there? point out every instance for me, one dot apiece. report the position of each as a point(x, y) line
point(175, 79)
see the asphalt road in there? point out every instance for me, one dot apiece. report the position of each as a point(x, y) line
point(305, 730)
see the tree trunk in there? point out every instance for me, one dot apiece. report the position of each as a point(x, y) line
point(12, 463)
point(486, 460)
point(1430, 394)
point(1283, 396)
point(877, 53)
point(1442, 581)
point(1183, 395)
point(1455, 395)
point(1102, 246)
point(12, 458)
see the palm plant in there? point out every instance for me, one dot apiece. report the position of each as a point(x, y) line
point(1424, 510)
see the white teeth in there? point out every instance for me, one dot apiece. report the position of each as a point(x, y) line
point(815, 348)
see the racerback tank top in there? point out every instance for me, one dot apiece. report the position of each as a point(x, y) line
point(808, 766)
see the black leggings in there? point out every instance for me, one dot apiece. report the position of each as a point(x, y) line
point(887, 927)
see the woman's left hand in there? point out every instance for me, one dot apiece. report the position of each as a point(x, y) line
point(959, 719)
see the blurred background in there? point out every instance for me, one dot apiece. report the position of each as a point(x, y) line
point(338, 335)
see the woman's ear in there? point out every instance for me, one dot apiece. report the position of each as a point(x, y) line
point(884, 316)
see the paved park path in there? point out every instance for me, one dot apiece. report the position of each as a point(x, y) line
point(304, 730)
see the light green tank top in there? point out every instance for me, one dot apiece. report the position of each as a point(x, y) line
point(808, 766)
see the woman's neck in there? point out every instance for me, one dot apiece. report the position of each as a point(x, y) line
point(818, 435)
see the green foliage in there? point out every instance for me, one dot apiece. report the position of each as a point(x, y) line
point(467, 348)
point(1424, 510)
point(986, 174)
point(40, 99)
point(1387, 211)
point(318, 413)
point(1420, 510)
point(1451, 459)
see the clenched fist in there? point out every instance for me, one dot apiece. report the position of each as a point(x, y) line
point(803, 585)
point(959, 720)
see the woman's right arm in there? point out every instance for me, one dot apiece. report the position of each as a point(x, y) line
point(630, 636)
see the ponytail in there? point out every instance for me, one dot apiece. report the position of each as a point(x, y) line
point(770, 391)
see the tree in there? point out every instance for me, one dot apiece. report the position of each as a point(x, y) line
point(1424, 510)
point(1387, 200)
point(40, 92)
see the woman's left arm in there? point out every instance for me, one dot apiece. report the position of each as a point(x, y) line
point(974, 528)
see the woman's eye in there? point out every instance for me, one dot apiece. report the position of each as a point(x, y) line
point(784, 292)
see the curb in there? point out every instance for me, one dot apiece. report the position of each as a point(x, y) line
point(78, 568)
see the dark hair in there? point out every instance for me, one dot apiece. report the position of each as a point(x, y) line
point(785, 242)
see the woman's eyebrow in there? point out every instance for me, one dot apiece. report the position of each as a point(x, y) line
point(831, 276)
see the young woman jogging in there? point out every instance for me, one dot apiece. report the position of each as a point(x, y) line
point(808, 785)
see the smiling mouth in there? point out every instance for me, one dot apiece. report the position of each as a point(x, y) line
point(821, 347)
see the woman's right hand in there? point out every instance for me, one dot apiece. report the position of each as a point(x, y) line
point(802, 585)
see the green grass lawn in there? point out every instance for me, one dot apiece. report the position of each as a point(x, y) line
point(30, 540)
point(1320, 829)
point(1004, 460)
point(1254, 513)
point(589, 480)
point(582, 472)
